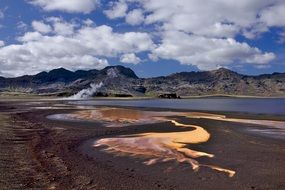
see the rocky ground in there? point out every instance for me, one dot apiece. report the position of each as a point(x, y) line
point(37, 153)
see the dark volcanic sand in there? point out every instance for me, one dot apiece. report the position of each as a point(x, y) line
point(37, 153)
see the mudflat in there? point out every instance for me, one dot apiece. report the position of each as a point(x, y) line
point(182, 150)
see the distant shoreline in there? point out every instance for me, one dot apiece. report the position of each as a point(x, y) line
point(229, 96)
point(9, 95)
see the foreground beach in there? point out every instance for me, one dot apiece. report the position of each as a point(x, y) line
point(37, 152)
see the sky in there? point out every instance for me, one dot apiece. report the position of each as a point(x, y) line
point(152, 37)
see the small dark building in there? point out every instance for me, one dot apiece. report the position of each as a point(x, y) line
point(169, 96)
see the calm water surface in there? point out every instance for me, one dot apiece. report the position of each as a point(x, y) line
point(250, 105)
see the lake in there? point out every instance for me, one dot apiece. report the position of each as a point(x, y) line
point(250, 105)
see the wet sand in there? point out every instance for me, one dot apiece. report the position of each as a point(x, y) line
point(40, 153)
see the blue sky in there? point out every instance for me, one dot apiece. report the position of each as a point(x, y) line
point(152, 37)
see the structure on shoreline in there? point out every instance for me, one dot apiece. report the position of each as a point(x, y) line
point(169, 96)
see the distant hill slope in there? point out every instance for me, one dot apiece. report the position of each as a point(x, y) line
point(122, 80)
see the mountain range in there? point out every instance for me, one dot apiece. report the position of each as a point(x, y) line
point(119, 80)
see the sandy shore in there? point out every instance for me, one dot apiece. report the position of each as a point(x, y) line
point(38, 153)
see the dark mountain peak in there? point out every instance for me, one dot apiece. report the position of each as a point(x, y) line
point(84, 71)
point(182, 74)
point(115, 66)
point(223, 70)
point(55, 75)
point(66, 76)
point(60, 71)
point(41, 74)
point(220, 71)
point(224, 73)
point(118, 70)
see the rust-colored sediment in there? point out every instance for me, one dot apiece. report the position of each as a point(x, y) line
point(164, 146)
point(118, 117)
point(159, 146)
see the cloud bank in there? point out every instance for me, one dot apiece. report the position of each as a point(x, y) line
point(70, 6)
point(199, 33)
point(83, 47)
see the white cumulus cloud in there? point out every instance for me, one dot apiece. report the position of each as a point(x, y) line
point(41, 27)
point(88, 47)
point(130, 58)
point(203, 33)
point(135, 17)
point(207, 53)
point(217, 18)
point(274, 15)
point(2, 43)
point(118, 10)
point(71, 6)
point(63, 28)
point(199, 33)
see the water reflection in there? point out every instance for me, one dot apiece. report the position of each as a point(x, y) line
point(251, 105)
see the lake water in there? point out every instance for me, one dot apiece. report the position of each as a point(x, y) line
point(250, 105)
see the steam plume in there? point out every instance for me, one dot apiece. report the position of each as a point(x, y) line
point(88, 92)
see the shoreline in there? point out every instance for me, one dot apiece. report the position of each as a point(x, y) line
point(57, 154)
point(46, 96)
